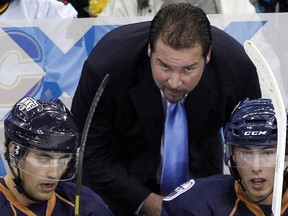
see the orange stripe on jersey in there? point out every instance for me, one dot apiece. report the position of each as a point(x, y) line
point(10, 197)
point(3, 7)
point(65, 200)
point(235, 207)
point(242, 196)
point(51, 204)
point(254, 207)
point(284, 202)
point(15, 204)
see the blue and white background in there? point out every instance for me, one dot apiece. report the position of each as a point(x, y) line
point(44, 59)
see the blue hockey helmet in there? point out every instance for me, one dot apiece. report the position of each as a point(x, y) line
point(42, 126)
point(252, 123)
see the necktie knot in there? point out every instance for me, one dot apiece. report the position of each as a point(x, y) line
point(176, 115)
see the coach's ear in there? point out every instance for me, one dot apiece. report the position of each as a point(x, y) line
point(149, 51)
point(208, 56)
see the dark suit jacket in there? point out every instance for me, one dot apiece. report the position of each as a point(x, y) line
point(123, 147)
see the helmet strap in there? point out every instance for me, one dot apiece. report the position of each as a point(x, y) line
point(234, 172)
point(18, 181)
point(261, 200)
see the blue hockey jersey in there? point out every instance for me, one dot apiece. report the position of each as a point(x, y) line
point(218, 195)
point(61, 203)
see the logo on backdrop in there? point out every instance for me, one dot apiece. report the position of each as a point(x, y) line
point(31, 64)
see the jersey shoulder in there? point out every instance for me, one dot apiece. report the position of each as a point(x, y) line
point(91, 203)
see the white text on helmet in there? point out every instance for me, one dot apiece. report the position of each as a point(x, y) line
point(254, 133)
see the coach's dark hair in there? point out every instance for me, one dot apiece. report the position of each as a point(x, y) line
point(181, 26)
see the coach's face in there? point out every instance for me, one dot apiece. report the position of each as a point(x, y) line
point(177, 72)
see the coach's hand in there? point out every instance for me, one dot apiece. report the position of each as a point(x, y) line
point(152, 205)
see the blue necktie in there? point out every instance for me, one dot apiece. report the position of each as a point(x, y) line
point(175, 170)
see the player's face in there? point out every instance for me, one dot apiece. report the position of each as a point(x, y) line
point(41, 171)
point(256, 167)
point(177, 72)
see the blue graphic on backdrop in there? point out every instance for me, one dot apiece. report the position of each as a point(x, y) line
point(62, 69)
point(242, 31)
point(26, 41)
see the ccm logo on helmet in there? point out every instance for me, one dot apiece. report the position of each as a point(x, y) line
point(254, 133)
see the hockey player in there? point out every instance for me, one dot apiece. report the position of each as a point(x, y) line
point(42, 144)
point(250, 152)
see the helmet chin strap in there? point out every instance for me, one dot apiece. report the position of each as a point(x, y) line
point(261, 200)
point(18, 183)
point(253, 201)
point(284, 186)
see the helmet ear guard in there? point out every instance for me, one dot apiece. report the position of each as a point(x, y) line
point(18, 154)
point(14, 154)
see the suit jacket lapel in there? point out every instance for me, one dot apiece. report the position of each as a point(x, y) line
point(147, 100)
point(200, 101)
point(197, 106)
